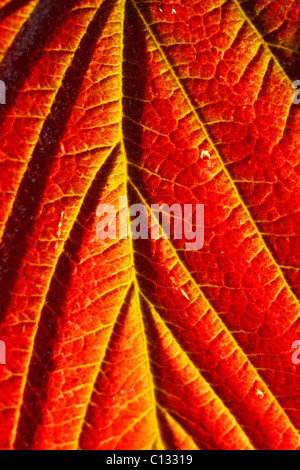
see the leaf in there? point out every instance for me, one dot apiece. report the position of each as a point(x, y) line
point(141, 344)
point(278, 23)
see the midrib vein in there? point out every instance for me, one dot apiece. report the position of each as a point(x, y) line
point(122, 149)
point(140, 313)
point(203, 126)
point(133, 271)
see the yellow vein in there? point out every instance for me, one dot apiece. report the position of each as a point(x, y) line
point(139, 308)
point(155, 313)
point(169, 417)
point(43, 120)
point(209, 139)
point(37, 320)
point(98, 369)
point(133, 272)
point(265, 44)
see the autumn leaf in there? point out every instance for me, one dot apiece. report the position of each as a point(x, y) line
point(124, 344)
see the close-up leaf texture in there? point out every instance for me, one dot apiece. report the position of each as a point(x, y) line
point(141, 344)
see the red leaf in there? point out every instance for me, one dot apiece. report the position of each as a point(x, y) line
point(142, 344)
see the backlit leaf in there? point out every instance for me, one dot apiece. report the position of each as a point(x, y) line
point(142, 344)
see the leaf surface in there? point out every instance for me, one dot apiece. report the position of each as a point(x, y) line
point(141, 344)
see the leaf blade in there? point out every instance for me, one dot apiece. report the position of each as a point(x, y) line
point(228, 300)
